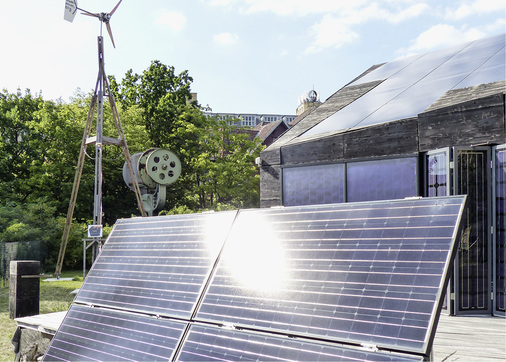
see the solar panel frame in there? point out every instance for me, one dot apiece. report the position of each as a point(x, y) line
point(157, 265)
point(318, 307)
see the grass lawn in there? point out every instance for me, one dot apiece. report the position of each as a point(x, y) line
point(54, 297)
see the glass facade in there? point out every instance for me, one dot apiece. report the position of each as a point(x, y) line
point(311, 185)
point(500, 227)
point(480, 269)
point(381, 179)
point(364, 181)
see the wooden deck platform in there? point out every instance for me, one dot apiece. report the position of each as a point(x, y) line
point(470, 338)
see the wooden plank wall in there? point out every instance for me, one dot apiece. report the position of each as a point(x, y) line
point(474, 122)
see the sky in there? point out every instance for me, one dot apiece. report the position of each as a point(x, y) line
point(245, 56)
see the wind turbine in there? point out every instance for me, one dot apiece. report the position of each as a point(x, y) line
point(71, 9)
point(96, 108)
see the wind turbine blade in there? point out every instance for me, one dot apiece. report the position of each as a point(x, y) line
point(110, 33)
point(113, 10)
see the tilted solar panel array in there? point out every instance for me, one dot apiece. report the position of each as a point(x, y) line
point(157, 265)
point(357, 273)
point(356, 281)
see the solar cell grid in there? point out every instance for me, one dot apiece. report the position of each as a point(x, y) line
point(103, 335)
point(157, 266)
point(327, 276)
point(210, 343)
point(359, 273)
point(411, 85)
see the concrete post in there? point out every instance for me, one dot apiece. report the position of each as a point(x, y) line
point(24, 288)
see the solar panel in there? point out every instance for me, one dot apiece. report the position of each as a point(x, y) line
point(205, 343)
point(104, 335)
point(156, 265)
point(358, 273)
point(353, 281)
point(412, 84)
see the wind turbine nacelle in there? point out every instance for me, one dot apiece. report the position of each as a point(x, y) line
point(155, 167)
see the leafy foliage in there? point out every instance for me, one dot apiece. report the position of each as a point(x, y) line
point(33, 226)
point(40, 142)
point(160, 93)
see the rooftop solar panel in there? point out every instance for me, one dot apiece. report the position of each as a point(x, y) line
point(205, 343)
point(411, 85)
point(156, 265)
point(354, 281)
point(362, 273)
point(104, 335)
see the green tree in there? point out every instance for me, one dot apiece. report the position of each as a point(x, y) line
point(226, 173)
point(32, 227)
point(160, 93)
point(17, 138)
point(218, 168)
point(39, 144)
point(59, 127)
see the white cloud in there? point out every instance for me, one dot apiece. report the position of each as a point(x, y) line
point(497, 26)
point(302, 7)
point(174, 20)
point(340, 20)
point(342, 8)
point(331, 32)
point(226, 38)
point(475, 7)
point(374, 11)
point(411, 12)
point(441, 35)
point(337, 31)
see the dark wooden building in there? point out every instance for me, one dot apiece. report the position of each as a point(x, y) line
point(270, 132)
point(428, 125)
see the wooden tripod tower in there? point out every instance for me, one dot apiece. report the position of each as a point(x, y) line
point(97, 107)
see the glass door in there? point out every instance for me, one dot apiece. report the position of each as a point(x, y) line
point(473, 269)
point(499, 227)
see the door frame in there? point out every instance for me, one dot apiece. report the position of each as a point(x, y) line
point(456, 273)
point(494, 236)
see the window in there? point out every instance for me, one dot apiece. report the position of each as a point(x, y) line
point(321, 184)
point(365, 181)
point(437, 171)
point(382, 179)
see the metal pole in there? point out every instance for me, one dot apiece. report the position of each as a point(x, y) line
point(97, 214)
point(97, 202)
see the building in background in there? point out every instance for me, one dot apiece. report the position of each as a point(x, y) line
point(251, 119)
point(425, 126)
